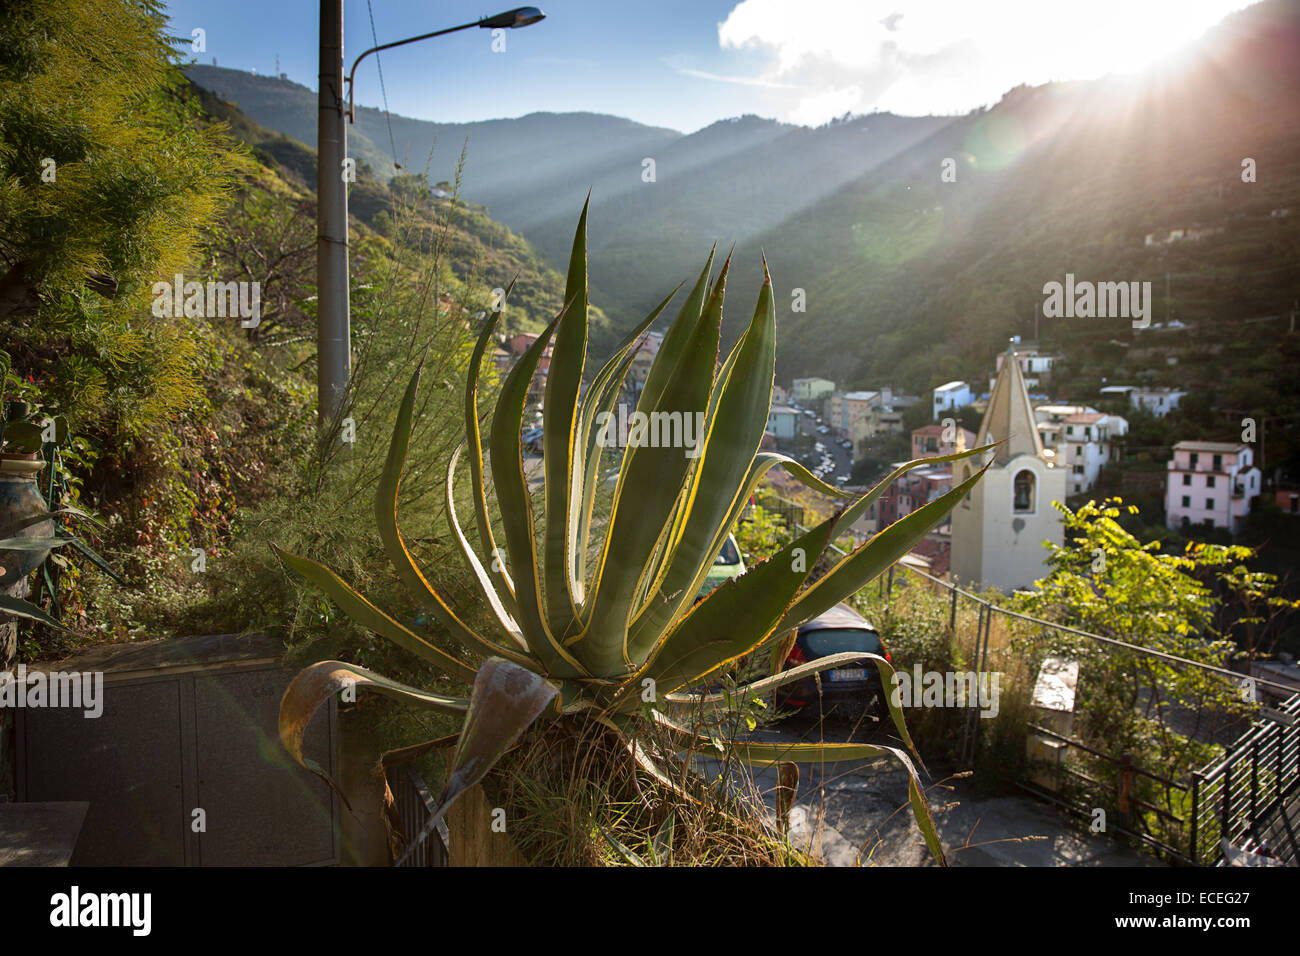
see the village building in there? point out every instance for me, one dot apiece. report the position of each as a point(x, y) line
point(999, 528)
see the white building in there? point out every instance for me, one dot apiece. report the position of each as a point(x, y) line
point(950, 396)
point(1034, 365)
point(1210, 482)
point(998, 530)
point(1051, 420)
point(1158, 401)
point(811, 389)
point(783, 422)
point(1087, 446)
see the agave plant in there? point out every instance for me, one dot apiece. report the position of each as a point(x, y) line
point(600, 616)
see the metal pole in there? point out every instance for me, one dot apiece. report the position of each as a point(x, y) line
point(333, 322)
point(1196, 815)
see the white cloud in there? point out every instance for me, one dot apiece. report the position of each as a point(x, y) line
point(947, 56)
point(741, 80)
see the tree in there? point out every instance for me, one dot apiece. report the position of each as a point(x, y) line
point(105, 184)
point(1105, 581)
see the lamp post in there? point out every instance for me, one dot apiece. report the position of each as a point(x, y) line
point(333, 320)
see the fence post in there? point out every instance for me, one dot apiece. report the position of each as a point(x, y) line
point(1227, 801)
point(1280, 740)
point(1254, 780)
point(1196, 815)
point(1125, 790)
point(952, 615)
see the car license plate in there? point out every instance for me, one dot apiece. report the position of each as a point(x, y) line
point(849, 673)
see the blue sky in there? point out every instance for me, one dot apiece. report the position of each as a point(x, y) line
point(684, 64)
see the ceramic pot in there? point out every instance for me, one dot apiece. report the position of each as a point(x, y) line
point(20, 498)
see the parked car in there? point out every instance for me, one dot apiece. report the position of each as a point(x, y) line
point(847, 691)
point(810, 413)
point(823, 429)
point(727, 565)
point(847, 443)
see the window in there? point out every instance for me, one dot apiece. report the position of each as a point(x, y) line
point(1078, 469)
point(1023, 488)
point(1195, 459)
point(1187, 501)
point(1187, 479)
point(1078, 451)
point(1209, 481)
point(1218, 462)
point(1209, 504)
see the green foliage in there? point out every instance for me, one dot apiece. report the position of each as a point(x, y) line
point(105, 184)
point(760, 534)
point(603, 608)
point(1105, 581)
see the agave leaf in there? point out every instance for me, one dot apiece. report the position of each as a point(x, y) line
point(29, 520)
point(485, 582)
point(20, 608)
point(367, 615)
point(649, 484)
point(679, 334)
point(505, 702)
point(622, 849)
point(315, 685)
point(559, 452)
point(517, 511)
point(732, 620)
point(474, 437)
point(662, 844)
point(763, 753)
point(395, 545)
point(626, 726)
point(877, 554)
point(732, 437)
point(90, 554)
point(705, 703)
point(601, 397)
point(32, 544)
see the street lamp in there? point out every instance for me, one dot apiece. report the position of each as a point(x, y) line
point(333, 321)
point(510, 20)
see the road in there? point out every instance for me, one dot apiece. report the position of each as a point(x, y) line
point(842, 458)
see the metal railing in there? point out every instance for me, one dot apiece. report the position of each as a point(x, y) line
point(1232, 795)
point(415, 805)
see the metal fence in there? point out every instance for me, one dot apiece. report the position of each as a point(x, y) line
point(415, 805)
point(1250, 792)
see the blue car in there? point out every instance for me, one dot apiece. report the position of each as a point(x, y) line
point(848, 691)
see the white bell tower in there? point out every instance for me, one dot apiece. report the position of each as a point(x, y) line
point(998, 530)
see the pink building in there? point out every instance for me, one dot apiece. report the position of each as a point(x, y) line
point(1210, 482)
point(927, 441)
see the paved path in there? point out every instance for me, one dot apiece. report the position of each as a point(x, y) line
point(857, 813)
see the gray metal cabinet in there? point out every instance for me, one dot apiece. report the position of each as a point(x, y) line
point(187, 725)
